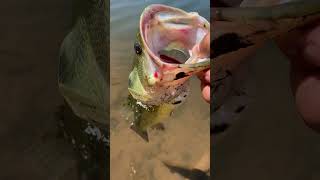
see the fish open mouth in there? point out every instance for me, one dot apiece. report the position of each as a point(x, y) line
point(169, 59)
point(170, 34)
point(173, 56)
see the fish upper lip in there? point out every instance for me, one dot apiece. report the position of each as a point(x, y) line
point(141, 29)
point(151, 11)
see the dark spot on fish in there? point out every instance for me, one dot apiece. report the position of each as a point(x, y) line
point(180, 75)
point(218, 3)
point(185, 95)
point(221, 79)
point(304, 17)
point(228, 72)
point(137, 48)
point(240, 93)
point(257, 33)
point(216, 129)
point(227, 43)
point(177, 102)
point(216, 108)
point(159, 126)
point(216, 87)
point(240, 109)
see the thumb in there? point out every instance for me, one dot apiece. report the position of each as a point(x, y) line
point(203, 48)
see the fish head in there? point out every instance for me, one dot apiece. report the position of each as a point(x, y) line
point(167, 52)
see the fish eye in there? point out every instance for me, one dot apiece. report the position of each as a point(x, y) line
point(137, 48)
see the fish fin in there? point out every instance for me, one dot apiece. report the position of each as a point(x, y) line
point(219, 128)
point(159, 126)
point(142, 134)
point(192, 174)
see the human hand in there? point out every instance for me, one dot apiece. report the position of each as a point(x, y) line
point(303, 49)
point(205, 85)
point(204, 49)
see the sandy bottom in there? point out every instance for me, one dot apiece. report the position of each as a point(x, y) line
point(185, 138)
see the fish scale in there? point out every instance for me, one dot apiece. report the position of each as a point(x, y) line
point(82, 73)
point(82, 80)
point(97, 29)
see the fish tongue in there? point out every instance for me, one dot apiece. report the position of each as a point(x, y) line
point(173, 56)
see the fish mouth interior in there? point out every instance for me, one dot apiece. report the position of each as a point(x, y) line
point(173, 56)
point(169, 35)
point(169, 59)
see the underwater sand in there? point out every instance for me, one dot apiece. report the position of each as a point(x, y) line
point(186, 135)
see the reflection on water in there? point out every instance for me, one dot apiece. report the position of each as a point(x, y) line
point(186, 135)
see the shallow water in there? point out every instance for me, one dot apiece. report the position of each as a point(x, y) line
point(186, 136)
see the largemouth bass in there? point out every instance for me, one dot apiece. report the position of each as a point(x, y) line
point(166, 57)
point(82, 73)
point(83, 80)
point(238, 32)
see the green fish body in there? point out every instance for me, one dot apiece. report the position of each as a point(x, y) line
point(82, 76)
point(165, 58)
